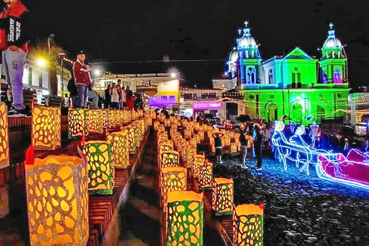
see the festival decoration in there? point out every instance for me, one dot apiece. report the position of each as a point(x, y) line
point(169, 159)
point(248, 224)
point(185, 218)
point(132, 142)
point(206, 175)
point(172, 179)
point(4, 136)
point(234, 147)
point(120, 149)
point(46, 128)
point(77, 123)
point(156, 125)
point(95, 121)
point(191, 152)
point(222, 196)
point(100, 170)
point(57, 201)
point(197, 162)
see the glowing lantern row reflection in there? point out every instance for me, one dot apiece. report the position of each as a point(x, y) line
point(77, 123)
point(248, 224)
point(185, 218)
point(222, 196)
point(172, 179)
point(100, 170)
point(206, 175)
point(46, 128)
point(57, 201)
point(4, 136)
point(169, 159)
point(118, 142)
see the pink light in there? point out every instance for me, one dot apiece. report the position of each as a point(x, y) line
point(207, 105)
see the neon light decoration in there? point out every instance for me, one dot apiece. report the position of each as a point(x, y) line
point(162, 101)
point(207, 105)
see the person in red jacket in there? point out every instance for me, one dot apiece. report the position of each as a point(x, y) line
point(15, 33)
point(130, 99)
point(82, 79)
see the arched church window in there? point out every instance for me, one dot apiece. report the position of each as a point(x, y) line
point(324, 76)
point(337, 76)
point(296, 77)
point(251, 75)
point(271, 77)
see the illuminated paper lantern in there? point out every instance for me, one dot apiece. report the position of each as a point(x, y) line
point(222, 196)
point(185, 218)
point(131, 139)
point(99, 166)
point(197, 162)
point(206, 175)
point(57, 201)
point(153, 115)
point(172, 179)
point(4, 136)
point(120, 149)
point(167, 123)
point(201, 135)
point(233, 148)
point(149, 121)
point(46, 128)
point(106, 115)
point(191, 152)
point(187, 133)
point(95, 121)
point(193, 143)
point(169, 159)
point(156, 125)
point(77, 123)
point(248, 225)
point(117, 119)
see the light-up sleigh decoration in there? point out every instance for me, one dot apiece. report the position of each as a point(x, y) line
point(351, 170)
point(296, 149)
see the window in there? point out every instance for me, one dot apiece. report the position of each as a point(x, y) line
point(208, 95)
point(194, 96)
point(271, 77)
point(296, 78)
point(337, 77)
point(251, 75)
point(187, 96)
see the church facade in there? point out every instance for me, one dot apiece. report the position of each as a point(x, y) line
point(295, 86)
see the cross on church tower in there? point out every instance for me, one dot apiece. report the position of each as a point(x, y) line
point(331, 25)
point(246, 23)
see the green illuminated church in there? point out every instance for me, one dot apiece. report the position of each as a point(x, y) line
point(296, 85)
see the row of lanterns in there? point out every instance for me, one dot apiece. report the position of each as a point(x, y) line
point(58, 186)
point(184, 208)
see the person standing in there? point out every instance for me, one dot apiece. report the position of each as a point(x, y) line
point(93, 96)
point(124, 97)
point(73, 92)
point(243, 142)
point(218, 146)
point(115, 97)
point(130, 99)
point(82, 78)
point(258, 139)
point(16, 32)
point(107, 96)
point(119, 89)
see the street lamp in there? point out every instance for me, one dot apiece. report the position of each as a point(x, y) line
point(173, 75)
point(97, 72)
point(41, 62)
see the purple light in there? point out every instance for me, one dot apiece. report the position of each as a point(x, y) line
point(162, 101)
point(207, 105)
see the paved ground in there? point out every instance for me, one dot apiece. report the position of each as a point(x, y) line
point(301, 209)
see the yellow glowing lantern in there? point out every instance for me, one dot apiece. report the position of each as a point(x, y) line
point(185, 218)
point(248, 225)
point(153, 114)
point(46, 128)
point(169, 159)
point(167, 123)
point(201, 135)
point(106, 115)
point(57, 201)
point(193, 143)
point(131, 139)
point(161, 128)
point(233, 147)
point(95, 121)
point(4, 136)
point(187, 133)
point(191, 152)
point(197, 162)
point(156, 125)
point(120, 149)
point(172, 179)
point(77, 123)
point(99, 166)
point(148, 121)
point(206, 175)
point(222, 197)
point(111, 122)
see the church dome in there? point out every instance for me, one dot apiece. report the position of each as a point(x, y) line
point(332, 41)
point(247, 42)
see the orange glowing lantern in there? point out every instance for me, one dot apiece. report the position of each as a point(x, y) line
point(120, 149)
point(191, 152)
point(222, 197)
point(248, 225)
point(95, 121)
point(131, 139)
point(57, 201)
point(169, 159)
point(77, 123)
point(156, 125)
point(46, 128)
point(100, 170)
point(206, 175)
point(233, 147)
point(172, 179)
point(197, 162)
point(4, 136)
point(193, 143)
point(105, 116)
point(185, 218)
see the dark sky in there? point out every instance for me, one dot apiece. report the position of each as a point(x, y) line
point(202, 29)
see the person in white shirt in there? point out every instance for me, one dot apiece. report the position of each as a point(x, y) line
point(124, 97)
point(115, 97)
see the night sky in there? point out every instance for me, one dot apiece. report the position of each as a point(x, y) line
point(203, 30)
